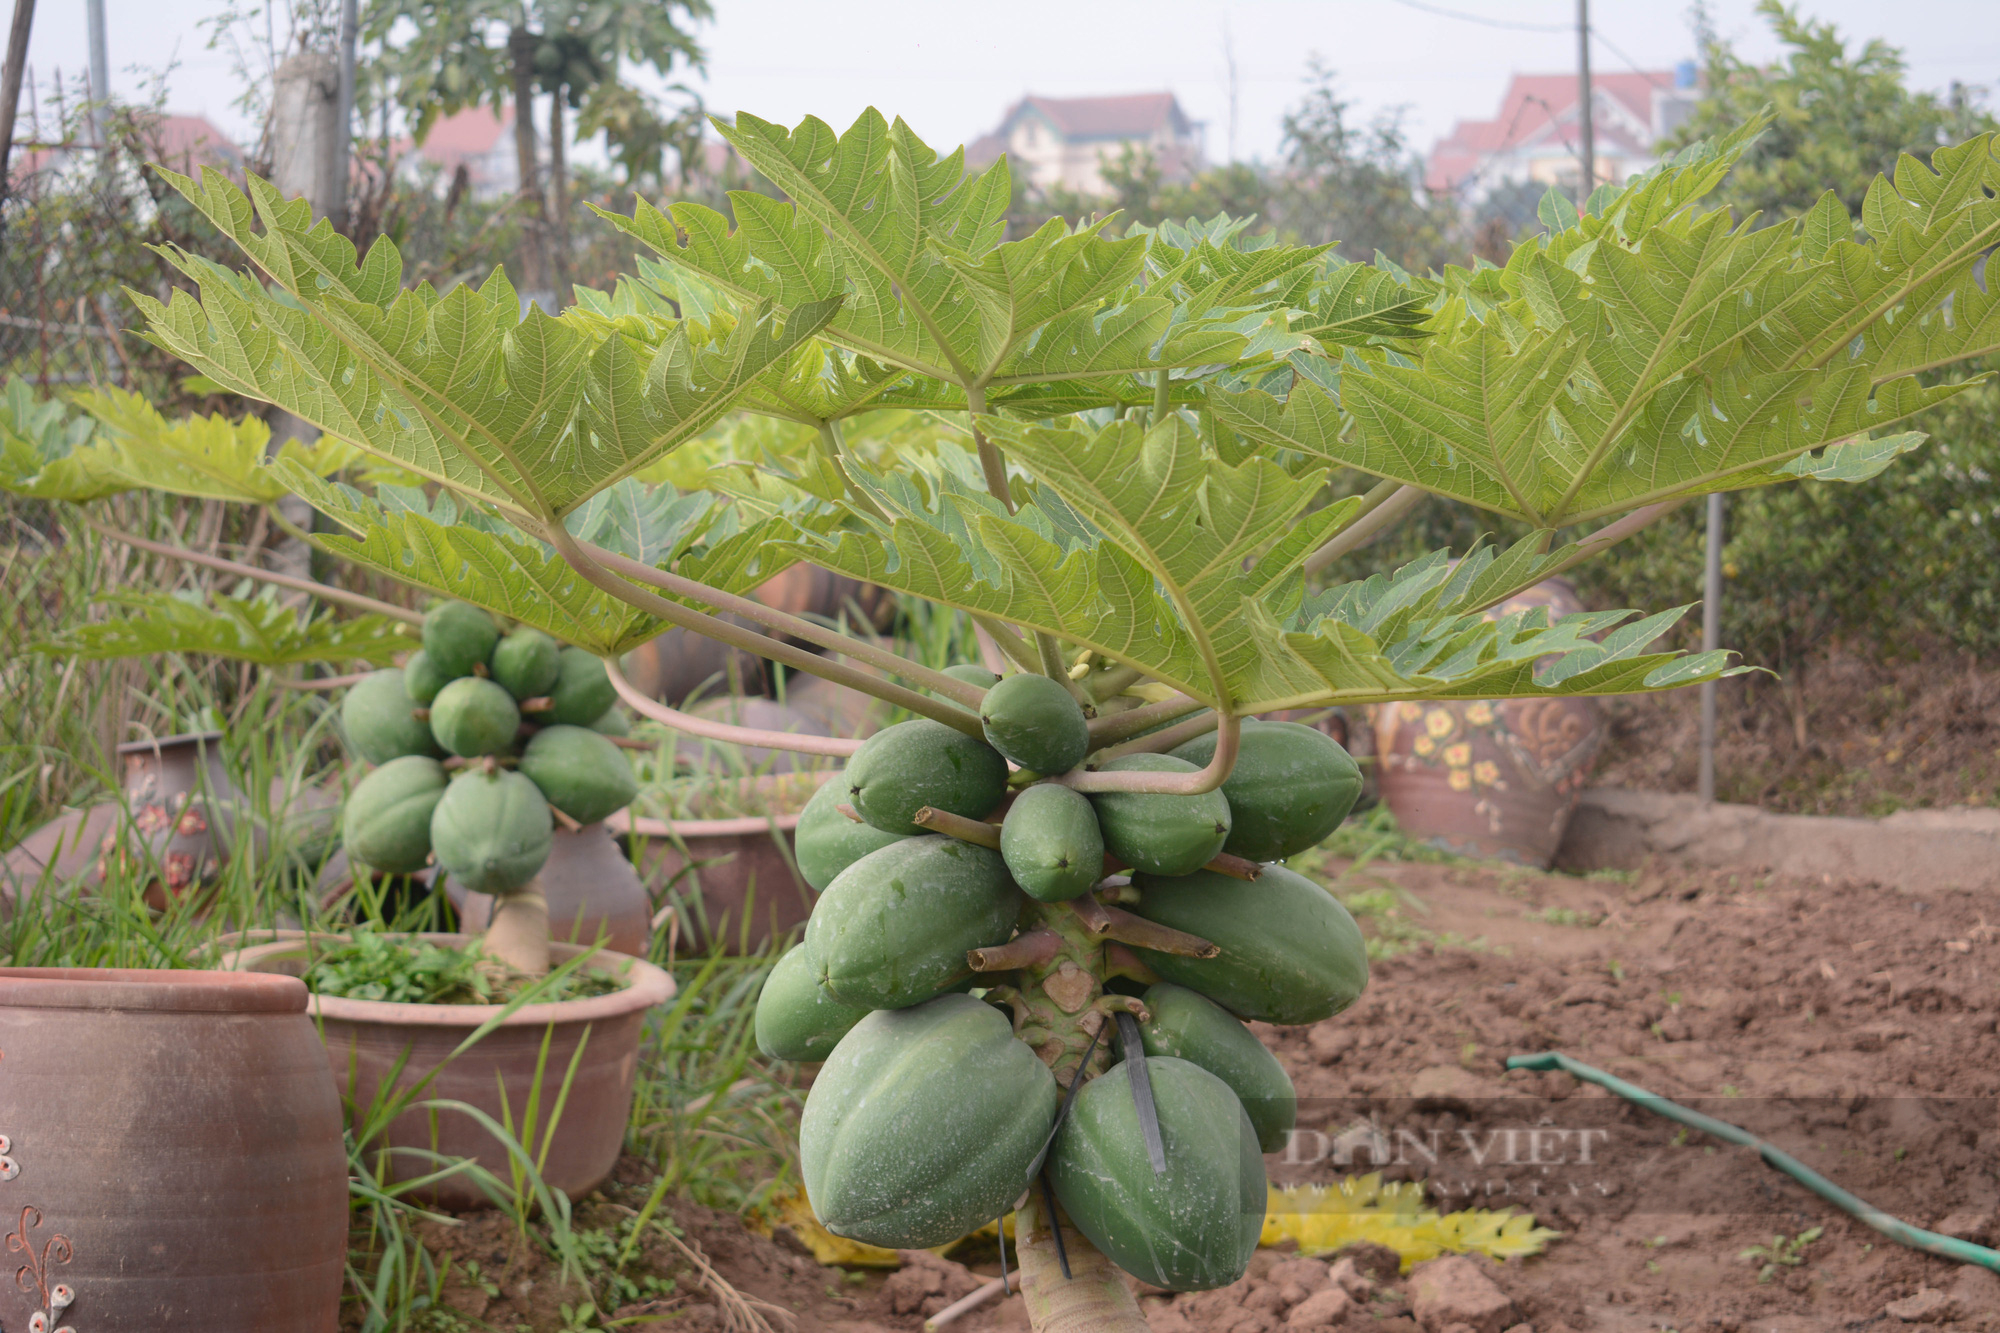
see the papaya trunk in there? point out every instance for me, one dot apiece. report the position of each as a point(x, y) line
point(519, 935)
point(1092, 1299)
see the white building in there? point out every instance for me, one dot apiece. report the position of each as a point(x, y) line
point(1065, 141)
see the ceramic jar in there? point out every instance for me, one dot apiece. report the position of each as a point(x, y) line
point(170, 1153)
point(592, 892)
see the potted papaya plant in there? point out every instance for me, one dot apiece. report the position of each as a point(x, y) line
point(1055, 895)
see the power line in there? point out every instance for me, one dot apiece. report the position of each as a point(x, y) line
point(1648, 75)
point(1442, 12)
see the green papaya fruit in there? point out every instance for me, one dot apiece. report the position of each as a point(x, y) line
point(380, 720)
point(421, 678)
point(1192, 1228)
point(1051, 843)
point(973, 674)
point(1162, 834)
point(1291, 787)
point(922, 1124)
point(613, 723)
point(1034, 721)
point(1191, 1027)
point(796, 1020)
point(386, 825)
point(826, 842)
point(473, 716)
point(526, 663)
point(580, 772)
point(1290, 952)
point(457, 638)
point(582, 690)
point(492, 831)
point(894, 928)
point(901, 769)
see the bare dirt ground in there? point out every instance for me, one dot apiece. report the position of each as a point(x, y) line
point(1838, 735)
point(1852, 1026)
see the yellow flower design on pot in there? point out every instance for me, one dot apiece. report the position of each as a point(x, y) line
point(1423, 747)
point(1459, 780)
point(1486, 773)
point(1459, 755)
point(1479, 714)
point(1438, 722)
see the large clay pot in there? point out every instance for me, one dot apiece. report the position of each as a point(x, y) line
point(724, 760)
point(366, 1039)
point(680, 664)
point(183, 807)
point(808, 590)
point(592, 892)
point(1486, 779)
point(170, 1153)
point(731, 882)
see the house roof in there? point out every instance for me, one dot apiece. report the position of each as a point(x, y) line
point(1085, 120)
point(1538, 108)
point(471, 132)
point(195, 140)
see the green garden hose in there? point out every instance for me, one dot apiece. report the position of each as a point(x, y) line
point(1901, 1232)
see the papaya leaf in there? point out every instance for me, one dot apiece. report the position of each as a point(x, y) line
point(45, 451)
point(254, 628)
point(1619, 370)
point(528, 413)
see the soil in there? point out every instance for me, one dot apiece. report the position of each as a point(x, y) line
point(1853, 1027)
point(1839, 735)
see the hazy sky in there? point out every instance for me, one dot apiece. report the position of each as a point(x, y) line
point(951, 68)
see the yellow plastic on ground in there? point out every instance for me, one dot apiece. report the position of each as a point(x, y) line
point(1320, 1218)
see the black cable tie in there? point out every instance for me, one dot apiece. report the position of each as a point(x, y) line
point(1062, 1112)
point(1055, 1227)
point(1142, 1091)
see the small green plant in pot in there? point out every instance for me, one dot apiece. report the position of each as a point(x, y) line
point(1133, 503)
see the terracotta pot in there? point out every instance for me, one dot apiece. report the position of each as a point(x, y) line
point(183, 811)
point(808, 590)
point(680, 664)
point(1491, 779)
point(722, 759)
point(170, 1153)
point(364, 1040)
point(62, 852)
point(592, 891)
point(730, 881)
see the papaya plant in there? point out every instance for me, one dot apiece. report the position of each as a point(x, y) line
point(1126, 489)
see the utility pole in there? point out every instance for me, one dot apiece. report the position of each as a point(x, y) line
point(343, 132)
point(1585, 130)
point(1711, 639)
point(100, 71)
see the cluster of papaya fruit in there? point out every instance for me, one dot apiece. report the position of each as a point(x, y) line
point(956, 973)
point(528, 724)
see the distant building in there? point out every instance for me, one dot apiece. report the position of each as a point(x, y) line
point(477, 139)
point(1065, 141)
point(182, 143)
point(1534, 138)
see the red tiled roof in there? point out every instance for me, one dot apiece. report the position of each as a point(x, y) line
point(1133, 116)
point(472, 132)
point(1537, 107)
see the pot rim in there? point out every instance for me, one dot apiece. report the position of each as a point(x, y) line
point(154, 990)
point(161, 742)
point(647, 986)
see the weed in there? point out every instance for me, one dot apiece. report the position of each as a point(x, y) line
point(1781, 1252)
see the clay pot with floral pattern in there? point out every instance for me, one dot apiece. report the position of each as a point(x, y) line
point(1496, 780)
point(170, 1154)
point(183, 807)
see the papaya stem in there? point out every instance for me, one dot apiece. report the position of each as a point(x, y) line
point(829, 444)
point(216, 562)
point(723, 731)
point(1115, 923)
point(1037, 946)
point(1113, 680)
point(848, 810)
point(1158, 742)
point(1225, 863)
point(756, 612)
point(1372, 520)
point(976, 831)
point(519, 933)
point(1229, 739)
point(1008, 641)
point(1092, 1299)
point(1120, 961)
point(1113, 727)
point(1112, 1005)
